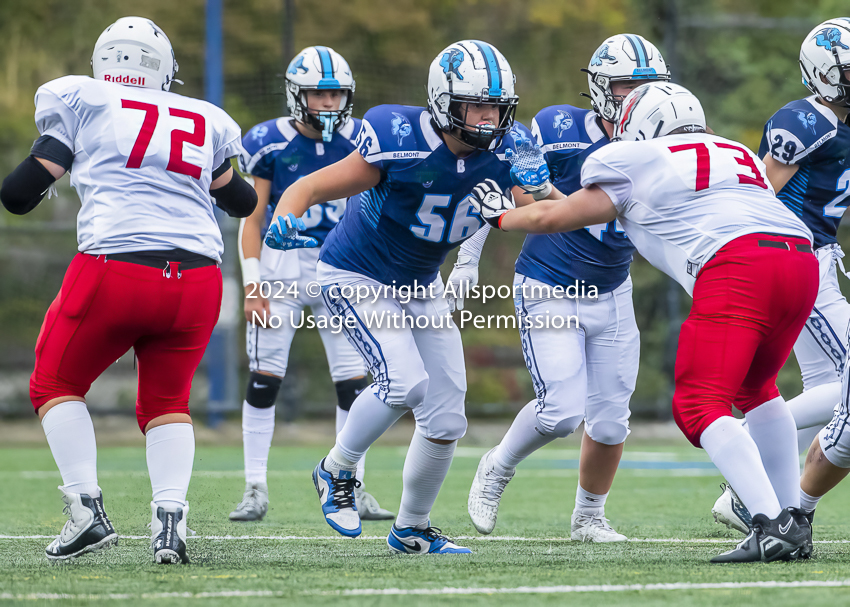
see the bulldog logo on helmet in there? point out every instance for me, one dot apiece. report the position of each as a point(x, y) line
point(451, 62)
point(830, 37)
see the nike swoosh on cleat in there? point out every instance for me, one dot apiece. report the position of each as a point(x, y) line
point(784, 529)
point(321, 493)
point(416, 546)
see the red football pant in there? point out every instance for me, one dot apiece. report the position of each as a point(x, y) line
point(104, 308)
point(750, 304)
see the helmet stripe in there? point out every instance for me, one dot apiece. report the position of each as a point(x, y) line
point(328, 81)
point(494, 76)
point(640, 50)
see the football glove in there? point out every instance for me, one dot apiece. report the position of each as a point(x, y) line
point(490, 202)
point(283, 234)
point(464, 276)
point(528, 168)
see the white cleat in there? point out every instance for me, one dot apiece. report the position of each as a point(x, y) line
point(254, 504)
point(87, 530)
point(168, 534)
point(590, 525)
point(729, 510)
point(368, 507)
point(485, 494)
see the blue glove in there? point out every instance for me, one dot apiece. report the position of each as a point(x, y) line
point(283, 234)
point(528, 167)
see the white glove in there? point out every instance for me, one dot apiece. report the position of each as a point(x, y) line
point(490, 202)
point(464, 276)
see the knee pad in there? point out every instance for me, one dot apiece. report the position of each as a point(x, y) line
point(446, 426)
point(416, 394)
point(262, 390)
point(565, 427)
point(347, 391)
point(608, 433)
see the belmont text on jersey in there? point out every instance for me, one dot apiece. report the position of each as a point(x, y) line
point(600, 254)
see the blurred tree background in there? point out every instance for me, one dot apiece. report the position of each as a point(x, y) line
point(739, 58)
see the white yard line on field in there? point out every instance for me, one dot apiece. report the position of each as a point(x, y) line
point(601, 588)
point(432, 591)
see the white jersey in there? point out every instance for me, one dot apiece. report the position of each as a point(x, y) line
point(143, 162)
point(680, 198)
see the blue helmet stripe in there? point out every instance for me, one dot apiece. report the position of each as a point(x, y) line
point(328, 81)
point(494, 76)
point(640, 50)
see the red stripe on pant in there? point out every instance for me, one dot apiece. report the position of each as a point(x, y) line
point(750, 304)
point(104, 308)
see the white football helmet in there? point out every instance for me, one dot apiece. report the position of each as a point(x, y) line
point(621, 58)
point(136, 52)
point(471, 71)
point(656, 109)
point(824, 57)
point(319, 68)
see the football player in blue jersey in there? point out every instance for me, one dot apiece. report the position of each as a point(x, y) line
point(584, 373)
point(409, 184)
point(806, 149)
point(320, 131)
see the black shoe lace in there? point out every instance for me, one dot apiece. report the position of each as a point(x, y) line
point(342, 490)
point(434, 533)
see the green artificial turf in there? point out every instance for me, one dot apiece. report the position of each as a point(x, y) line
point(661, 492)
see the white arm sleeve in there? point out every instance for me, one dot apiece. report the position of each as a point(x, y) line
point(470, 250)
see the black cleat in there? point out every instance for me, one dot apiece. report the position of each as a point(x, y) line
point(168, 539)
point(769, 540)
point(88, 528)
point(804, 519)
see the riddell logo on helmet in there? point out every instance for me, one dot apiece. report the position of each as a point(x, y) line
point(137, 80)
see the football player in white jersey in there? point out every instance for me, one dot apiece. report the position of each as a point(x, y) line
point(580, 374)
point(806, 149)
point(279, 152)
point(149, 166)
point(699, 208)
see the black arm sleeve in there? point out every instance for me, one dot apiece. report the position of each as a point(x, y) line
point(52, 149)
point(222, 169)
point(237, 198)
point(25, 187)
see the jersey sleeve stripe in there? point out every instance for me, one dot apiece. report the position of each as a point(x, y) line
point(272, 147)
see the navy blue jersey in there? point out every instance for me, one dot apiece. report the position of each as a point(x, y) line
point(601, 254)
point(278, 152)
point(810, 135)
point(401, 230)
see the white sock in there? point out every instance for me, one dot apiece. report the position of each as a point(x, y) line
point(170, 455)
point(585, 500)
point(815, 406)
point(425, 469)
point(735, 454)
point(808, 502)
point(368, 419)
point(341, 417)
point(521, 440)
point(775, 434)
point(70, 434)
point(257, 431)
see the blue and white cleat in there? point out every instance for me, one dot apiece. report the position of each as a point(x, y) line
point(336, 495)
point(729, 510)
point(412, 540)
